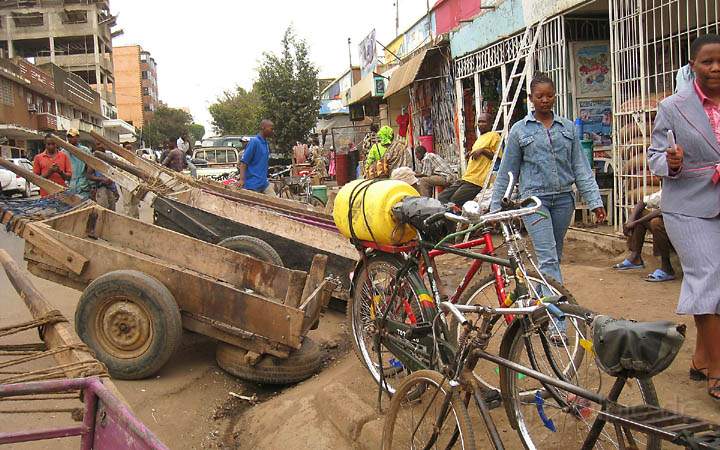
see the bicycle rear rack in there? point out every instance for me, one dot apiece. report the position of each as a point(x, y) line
point(667, 425)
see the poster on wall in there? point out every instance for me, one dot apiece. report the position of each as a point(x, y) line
point(368, 54)
point(592, 69)
point(596, 114)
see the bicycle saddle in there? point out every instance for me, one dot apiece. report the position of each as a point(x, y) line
point(625, 348)
point(415, 210)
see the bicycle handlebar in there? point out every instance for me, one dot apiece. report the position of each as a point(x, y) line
point(473, 218)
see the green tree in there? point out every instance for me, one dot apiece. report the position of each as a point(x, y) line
point(288, 88)
point(166, 123)
point(197, 131)
point(236, 112)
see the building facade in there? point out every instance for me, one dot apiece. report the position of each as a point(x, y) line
point(36, 100)
point(75, 35)
point(135, 84)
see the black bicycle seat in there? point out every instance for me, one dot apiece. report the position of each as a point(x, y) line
point(635, 349)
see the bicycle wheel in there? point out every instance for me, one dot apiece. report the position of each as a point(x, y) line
point(372, 290)
point(316, 202)
point(483, 292)
point(424, 421)
point(544, 421)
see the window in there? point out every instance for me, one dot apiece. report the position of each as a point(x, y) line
point(210, 156)
point(73, 16)
point(144, 75)
point(147, 108)
point(199, 155)
point(232, 157)
point(28, 20)
point(6, 92)
point(221, 157)
point(146, 91)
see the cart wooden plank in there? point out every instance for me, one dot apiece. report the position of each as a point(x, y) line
point(59, 252)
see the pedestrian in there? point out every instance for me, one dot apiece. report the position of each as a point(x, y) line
point(52, 164)
point(544, 155)
point(79, 183)
point(479, 165)
point(647, 216)
point(103, 190)
point(253, 167)
point(380, 143)
point(175, 158)
point(690, 203)
point(435, 171)
point(183, 143)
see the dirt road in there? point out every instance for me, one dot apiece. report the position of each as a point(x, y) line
point(188, 404)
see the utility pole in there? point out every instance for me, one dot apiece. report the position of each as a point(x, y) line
point(397, 18)
point(350, 54)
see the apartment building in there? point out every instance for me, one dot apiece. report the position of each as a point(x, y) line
point(35, 100)
point(73, 34)
point(135, 84)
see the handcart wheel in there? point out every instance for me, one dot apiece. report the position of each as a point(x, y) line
point(252, 246)
point(131, 321)
point(299, 365)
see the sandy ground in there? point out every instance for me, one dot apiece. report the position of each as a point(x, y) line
point(188, 404)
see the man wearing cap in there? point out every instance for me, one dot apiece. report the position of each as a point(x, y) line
point(79, 183)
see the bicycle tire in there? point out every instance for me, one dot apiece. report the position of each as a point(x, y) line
point(533, 415)
point(471, 295)
point(317, 202)
point(359, 326)
point(406, 398)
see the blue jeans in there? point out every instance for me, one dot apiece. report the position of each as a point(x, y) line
point(548, 234)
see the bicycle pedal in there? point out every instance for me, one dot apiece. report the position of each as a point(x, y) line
point(492, 398)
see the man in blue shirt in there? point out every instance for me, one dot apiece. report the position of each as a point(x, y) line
point(253, 167)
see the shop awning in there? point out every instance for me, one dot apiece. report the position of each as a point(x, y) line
point(360, 91)
point(405, 74)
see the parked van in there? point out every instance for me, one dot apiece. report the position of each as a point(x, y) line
point(220, 160)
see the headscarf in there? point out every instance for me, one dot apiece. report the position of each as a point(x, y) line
point(385, 135)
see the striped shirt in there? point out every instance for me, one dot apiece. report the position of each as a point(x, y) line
point(432, 164)
point(712, 110)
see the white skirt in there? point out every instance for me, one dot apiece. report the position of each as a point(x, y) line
point(697, 243)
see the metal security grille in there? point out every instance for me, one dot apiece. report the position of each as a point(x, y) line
point(6, 92)
point(551, 59)
point(650, 42)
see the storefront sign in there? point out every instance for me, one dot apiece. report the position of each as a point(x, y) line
point(417, 36)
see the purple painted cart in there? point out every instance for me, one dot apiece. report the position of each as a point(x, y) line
point(107, 423)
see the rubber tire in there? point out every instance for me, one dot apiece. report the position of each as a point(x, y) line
point(426, 377)
point(254, 247)
point(165, 321)
point(507, 379)
point(317, 202)
point(298, 366)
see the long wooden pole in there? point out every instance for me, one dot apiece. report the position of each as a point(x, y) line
point(49, 186)
point(126, 181)
point(56, 335)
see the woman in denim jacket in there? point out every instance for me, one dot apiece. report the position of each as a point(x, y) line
point(544, 155)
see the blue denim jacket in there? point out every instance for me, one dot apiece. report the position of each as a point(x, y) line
point(545, 162)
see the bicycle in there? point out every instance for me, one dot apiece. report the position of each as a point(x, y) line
point(381, 266)
point(429, 409)
point(300, 189)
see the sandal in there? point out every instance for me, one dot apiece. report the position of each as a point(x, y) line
point(697, 374)
point(627, 265)
point(714, 391)
point(659, 276)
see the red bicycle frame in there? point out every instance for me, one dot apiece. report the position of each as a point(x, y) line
point(486, 247)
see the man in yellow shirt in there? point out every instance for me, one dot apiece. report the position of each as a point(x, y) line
point(478, 167)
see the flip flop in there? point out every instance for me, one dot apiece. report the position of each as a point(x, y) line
point(714, 391)
point(659, 276)
point(627, 265)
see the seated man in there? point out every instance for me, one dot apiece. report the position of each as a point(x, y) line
point(434, 171)
point(479, 165)
point(647, 215)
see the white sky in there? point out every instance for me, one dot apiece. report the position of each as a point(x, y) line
point(205, 47)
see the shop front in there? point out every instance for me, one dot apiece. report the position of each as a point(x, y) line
point(420, 101)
